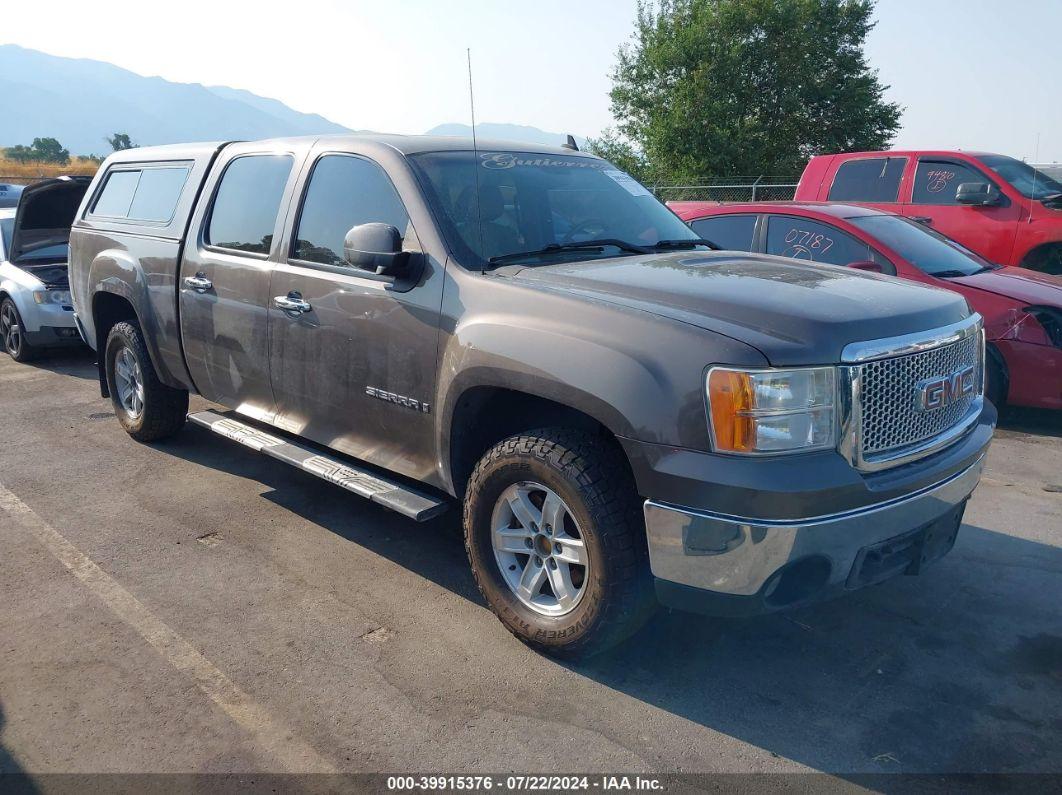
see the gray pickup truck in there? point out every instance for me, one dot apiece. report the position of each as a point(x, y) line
point(628, 415)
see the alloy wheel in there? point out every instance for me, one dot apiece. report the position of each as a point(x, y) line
point(540, 549)
point(10, 331)
point(130, 383)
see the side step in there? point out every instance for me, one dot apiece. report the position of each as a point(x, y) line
point(390, 494)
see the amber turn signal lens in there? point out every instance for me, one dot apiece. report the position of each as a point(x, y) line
point(730, 400)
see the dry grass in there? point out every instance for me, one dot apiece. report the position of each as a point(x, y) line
point(12, 171)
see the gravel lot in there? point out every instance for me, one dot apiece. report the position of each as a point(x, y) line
point(197, 607)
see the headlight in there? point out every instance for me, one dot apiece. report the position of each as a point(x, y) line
point(772, 411)
point(52, 296)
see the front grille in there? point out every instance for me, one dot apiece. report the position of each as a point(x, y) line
point(890, 420)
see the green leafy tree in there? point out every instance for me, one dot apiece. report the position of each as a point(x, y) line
point(709, 88)
point(49, 150)
point(20, 153)
point(120, 142)
point(620, 152)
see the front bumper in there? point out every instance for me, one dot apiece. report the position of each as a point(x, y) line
point(783, 549)
point(733, 566)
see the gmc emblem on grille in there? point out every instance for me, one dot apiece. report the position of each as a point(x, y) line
point(936, 393)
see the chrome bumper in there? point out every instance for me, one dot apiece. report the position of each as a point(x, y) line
point(738, 555)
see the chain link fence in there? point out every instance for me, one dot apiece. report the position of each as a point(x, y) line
point(733, 189)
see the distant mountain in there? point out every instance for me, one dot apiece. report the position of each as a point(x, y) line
point(80, 102)
point(507, 132)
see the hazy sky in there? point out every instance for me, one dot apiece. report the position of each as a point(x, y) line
point(973, 74)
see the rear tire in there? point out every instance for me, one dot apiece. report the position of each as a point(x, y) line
point(147, 408)
point(1047, 259)
point(12, 334)
point(582, 481)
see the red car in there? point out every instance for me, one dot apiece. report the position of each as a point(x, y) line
point(1001, 208)
point(1022, 309)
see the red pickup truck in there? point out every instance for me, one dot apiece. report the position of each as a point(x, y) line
point(1001, 208)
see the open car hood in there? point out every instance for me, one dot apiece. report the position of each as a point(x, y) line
point(45, 213)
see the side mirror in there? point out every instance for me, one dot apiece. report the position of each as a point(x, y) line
point(376, 248)
point(976, 194)
point(866, 265)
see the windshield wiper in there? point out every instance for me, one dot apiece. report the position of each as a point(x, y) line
point(687, 242)
point(559, 248)
point(954, 274)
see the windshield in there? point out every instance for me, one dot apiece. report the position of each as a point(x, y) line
point(1025, 179)
point(927, 250)
point(528, 201)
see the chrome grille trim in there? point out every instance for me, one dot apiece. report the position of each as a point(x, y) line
point(881, 427)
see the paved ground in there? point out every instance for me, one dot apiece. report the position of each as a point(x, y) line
point(197, 607)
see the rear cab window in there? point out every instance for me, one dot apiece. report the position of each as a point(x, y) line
point(874, 179)
point(243, 215)
point(142, 193)
point(729, 232)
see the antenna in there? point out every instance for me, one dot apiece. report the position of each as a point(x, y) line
point(475, 157)
point(570, 144)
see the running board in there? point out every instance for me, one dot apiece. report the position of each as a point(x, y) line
point(390, 494)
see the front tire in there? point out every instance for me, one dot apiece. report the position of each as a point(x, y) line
point(147, 408)
point(556, 540)
point(996, 381)
point(13, 335)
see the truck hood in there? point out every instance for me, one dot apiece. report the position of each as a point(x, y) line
point(1021, 284)
point(45, 213)
point(793, 313)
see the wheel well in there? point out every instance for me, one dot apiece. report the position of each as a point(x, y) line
point(486, 415)
point(108, 310)
point(992, 352)
point(1046, 259)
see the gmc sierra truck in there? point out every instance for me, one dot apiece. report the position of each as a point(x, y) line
point(627, 415)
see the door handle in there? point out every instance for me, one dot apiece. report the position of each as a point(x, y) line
point(199, 283)
point(292, 303)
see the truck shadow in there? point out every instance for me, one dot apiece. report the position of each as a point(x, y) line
point(13, 778)
point(434, 549)
point(73, 362)
point(959, 670)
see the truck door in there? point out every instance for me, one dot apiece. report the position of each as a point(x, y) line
point(354, 365)
point(224, 279)
point(990, 231)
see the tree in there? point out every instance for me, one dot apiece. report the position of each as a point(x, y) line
point(120, 142)
point(20, 153)
point(621, 152)
point(42, 150)
point(710, 88)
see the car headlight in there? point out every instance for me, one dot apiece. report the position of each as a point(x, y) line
point(52, 296)
point(772, 411)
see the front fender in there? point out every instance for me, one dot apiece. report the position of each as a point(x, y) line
point(19, 289)
point(637, 374)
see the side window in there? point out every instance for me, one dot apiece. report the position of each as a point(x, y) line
point(730, 232)
point(802, 238)
point(246, 203)
point(344, 192)
point(117, 194)
point(143, 194)
point(936, 181)
point(157, 194)
point(872, 180)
